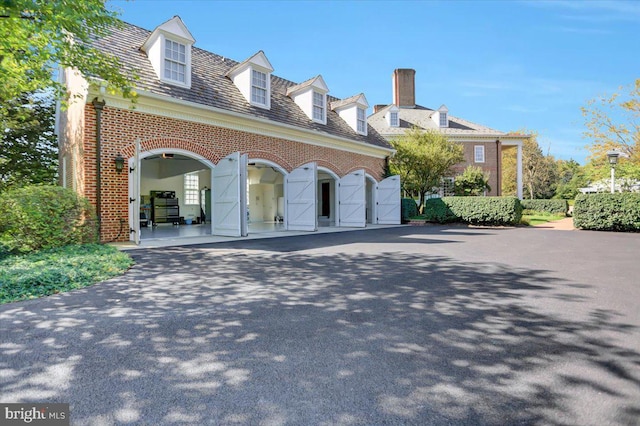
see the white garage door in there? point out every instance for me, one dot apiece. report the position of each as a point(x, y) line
point(352, 200)
point(301, 198)
point(228, 196)
point(388, 201)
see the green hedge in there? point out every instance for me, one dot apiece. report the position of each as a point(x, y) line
point(408, 208)
point(545, 206)
point(42, 217)
point(474, 210)
point(607, 212)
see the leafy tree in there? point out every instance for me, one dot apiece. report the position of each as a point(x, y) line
point(29, 147)
point(613, 122)
point(472, 182)
point(38, 36)
point(571, 177)
point(538, 170)
point(422, 159)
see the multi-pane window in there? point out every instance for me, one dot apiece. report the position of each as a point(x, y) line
point(443, 119)
point(191, 189)
point(362, 122)
point(448, 186)
point(318, 106)
point(478, 154)
point(175, 61)
point(259, 87)
point(393, 119)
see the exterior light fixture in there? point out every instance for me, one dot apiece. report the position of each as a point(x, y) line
point(613, 160)
point(119, 160)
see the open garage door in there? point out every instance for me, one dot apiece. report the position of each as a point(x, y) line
point(134, 196)
point(352, 200)
point(228, 196)
point(300, 203)
point(388, 201)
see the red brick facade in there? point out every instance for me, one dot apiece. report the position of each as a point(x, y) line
point(120, 128)
point(491, 165)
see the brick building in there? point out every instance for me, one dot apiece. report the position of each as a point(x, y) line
point(483, 146)
point(221, 145)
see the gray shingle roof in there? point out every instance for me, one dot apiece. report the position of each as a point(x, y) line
point(210, 87)
point(421, 118)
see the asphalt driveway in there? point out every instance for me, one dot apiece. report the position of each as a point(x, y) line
point(425, 326)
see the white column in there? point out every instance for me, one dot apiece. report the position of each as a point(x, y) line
point(519, 171)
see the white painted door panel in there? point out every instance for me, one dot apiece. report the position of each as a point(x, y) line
point(134, 196)
point(226, 197)
point(352, 200)
point(388, 201)
point(301, 199)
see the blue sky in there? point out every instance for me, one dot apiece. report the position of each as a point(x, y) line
point(508, 65)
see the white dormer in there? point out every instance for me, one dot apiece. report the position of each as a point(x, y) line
point(393, 116)
point(442, 116)
point(169, 50)
point(353, 111)
point(311, 97)
point(253, 78)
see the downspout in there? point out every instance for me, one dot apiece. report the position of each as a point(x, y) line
point(98, 106)
point(499, 167)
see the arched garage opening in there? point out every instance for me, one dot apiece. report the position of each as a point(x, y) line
point(327, 202)
point(265, 196)
point(170, 192)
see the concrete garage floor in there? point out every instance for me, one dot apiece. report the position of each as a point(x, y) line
point(439, 325)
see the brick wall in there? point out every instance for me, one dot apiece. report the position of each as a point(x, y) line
point(492, 159)
point(120, 129)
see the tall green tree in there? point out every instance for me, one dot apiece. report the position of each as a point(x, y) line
point(539, 172)
point(613, 122)
point(29, 146)
point(422, 159)
point(571, 177)
point(38, 36)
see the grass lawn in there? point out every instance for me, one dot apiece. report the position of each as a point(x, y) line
point(539, 218)
point(47, 272)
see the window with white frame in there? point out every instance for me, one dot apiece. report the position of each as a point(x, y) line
point(318, 106)
point(362, 121)
point(478, 154)
point(393, 119)
point(448, 187)
point(443, 119)
point(191, 189)
point(258, 87)
point(175, 61)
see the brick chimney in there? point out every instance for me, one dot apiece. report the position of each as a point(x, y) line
point(377, 108)
point(404, 88)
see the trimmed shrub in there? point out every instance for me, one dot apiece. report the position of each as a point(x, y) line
point(607, 212)
point(42, 217)
point(408, 208)
point(474, 210)
point(545, 206)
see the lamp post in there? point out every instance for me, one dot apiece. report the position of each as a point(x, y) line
point(613, 160)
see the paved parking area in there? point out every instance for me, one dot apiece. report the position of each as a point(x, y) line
point(433, 325)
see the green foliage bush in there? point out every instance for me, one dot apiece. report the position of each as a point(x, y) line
point(474, 210)
point(408, 208)
point(472, 182)
point(46, 272)
point(42, 217)
point(607, 212)
point(545, 206)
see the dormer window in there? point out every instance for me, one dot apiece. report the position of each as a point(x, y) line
point(353, 111)
point(393, 119)
point(311, 97)
point(362, 121)
point(318, 106)
point(393, 116)
point(442, 118)
point(175, 61)
point(258, 87)
point(253, 78)
point(169, 51)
